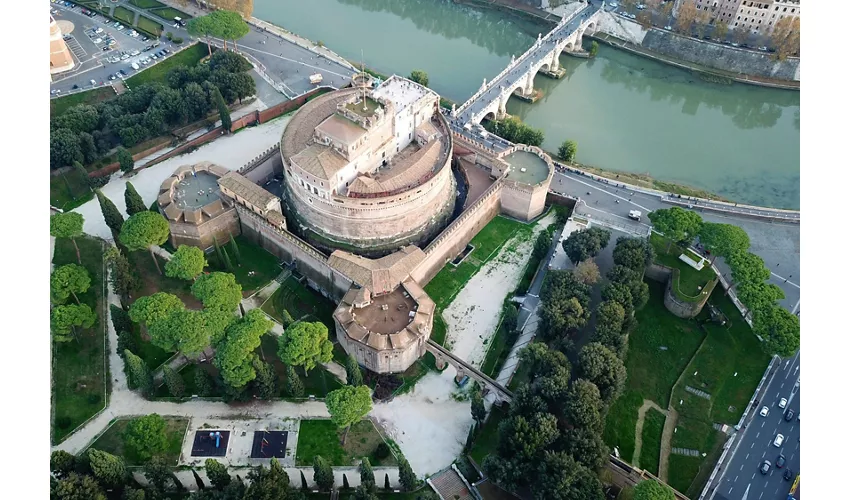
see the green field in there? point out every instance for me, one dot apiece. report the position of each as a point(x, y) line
point(488, 436)
point(153, 281)
point(78, 366)
point(112, 441)
point(254, 259)
point(620, 423)
point(189, 56)
point(301, 302)
point(322, 437)
point(124, 15)
point(147, 4)
point(498, 348)
point(169, 13)
point(69, 190)
point(150, 26)
point(650, 452)
point(59, 105)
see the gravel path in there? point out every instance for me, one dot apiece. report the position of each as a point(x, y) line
point(647, 404)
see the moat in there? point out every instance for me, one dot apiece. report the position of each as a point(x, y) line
point(625, 112)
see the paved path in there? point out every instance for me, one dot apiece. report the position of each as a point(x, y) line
point(647, 404)
point(667, 438)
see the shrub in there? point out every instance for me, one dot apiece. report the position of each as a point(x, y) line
point(382, 451)
point(177, 40)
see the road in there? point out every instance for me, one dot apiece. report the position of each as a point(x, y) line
point(754, 442)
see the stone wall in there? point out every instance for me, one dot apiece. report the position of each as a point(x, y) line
point(383, 361)
point(680, 308)
point(264, 167)
point(222, 227)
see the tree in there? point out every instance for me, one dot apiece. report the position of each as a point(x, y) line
point(759, 295)
point(266, 380)
point(600, 365)
point(583, 405)
point(152, 308)
point(173, 381)
point(138, 373)
point(229, 62)
point(723, 239)
point(268, 484)
point(305, 344)
point(686, 17)
point(419, 77)
point(223, 112)
point(367, 476)
point(747, 268)
point(585, 243)
point(559, 317)
point(229, 25)
point(107, 468)
point(510, 316)
point(479, 413)
point(234, 355)
point(785, 37)
point(345, 485)
point(145, 436)
point(721, 29)
point(235, 249)
point(348, 405)
point(144, 230)
point(158, 474)
point(67, 225)
point(217, 322)
point(133, 200)
point(779, 329)
point(218, 291)
point(201, 27)
point(653, 490)
point(701, 22)
point(587, 272)
point(202, 383)
point(352, 371)
point(81, 171)
point(67, 280)
point(323, 474)
point(543, 361)
point(609, 320)
point(523, 440)
point(644, 18)
point(406, 477)
point(186, 263)
point(586, 447)
point(303, 481)
point(110, 212)
point(594, 48)
point(740, 34)
point(217, 473)
point(294, 386)
point(621, 294)
point(122, 277)
point(567, 151)
point(559, 477)
point(226, 260)
point(125, 160)
point(64, 148)
point(134, 494)
point(77, 487)
point(62, 463)
point(677, 224)
point(541, 245)
point(65, 319)
point(363, 493)
point(286, 318)
point(634, 253)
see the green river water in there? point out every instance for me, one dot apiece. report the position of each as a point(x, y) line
point(625, 112)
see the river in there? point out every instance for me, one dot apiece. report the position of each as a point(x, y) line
point(625, 112)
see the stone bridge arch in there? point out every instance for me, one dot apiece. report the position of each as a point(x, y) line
point(489, 386)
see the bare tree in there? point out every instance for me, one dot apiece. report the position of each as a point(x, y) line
point(740, 34)
point(785, 37)
point(686, 17)
point(701, 22)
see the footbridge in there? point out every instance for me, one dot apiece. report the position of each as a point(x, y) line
point(518, 77)
point(489, 385)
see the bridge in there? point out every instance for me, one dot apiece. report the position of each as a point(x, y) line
point(443, 356)
point(518, 77)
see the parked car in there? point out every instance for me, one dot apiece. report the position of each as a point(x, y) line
point(166, 51)
point(93, 83)
point(789, 415)
point(632, 16)
point(782, 403)
point(779, 440)
point(780, 461)
point(134, 53)
point(765, 467)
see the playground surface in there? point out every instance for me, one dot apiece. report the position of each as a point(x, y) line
point(268, 444)
point(210, 443)
point(237, 449)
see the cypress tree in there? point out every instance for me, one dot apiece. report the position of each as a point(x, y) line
point(81, 170)
point(140, 374)
point(235, 249)
point(352, 370)
point(173, 381)
point(323, 475)
point(110, 212)
point(386, 481)
point(223, 112)
point(294, 387)
point(406, 476)
point(345, 485)
point(218, 252)
point(303, 481)
point(227, 264)
point(367, 476)
point(202, 382)
point(133, 200)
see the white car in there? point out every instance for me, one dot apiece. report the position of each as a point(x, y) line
point(783, 402)
point(764, 411)
point(97, 40)
point(93, 83)
point(120, 27)
point(778, 441)
point(134, 53)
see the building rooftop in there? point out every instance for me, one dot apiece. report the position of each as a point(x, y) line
point(401, 92)
point(196, 190)
point(364, 108)
point(299, 131)
point(526, 167)
point(320, 160)
point(341, 129)
point(247, 190)
point(406, 169)
point(378, 275)
point(192, 194)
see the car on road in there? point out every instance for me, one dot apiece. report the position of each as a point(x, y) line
point(93, 83)
point(788, 474)
point(765, 467)
point(780, 461)
point(783, 402)
point(778, 441)
point(668, 28)
point(765, 411)
point(789, 415)
point(112, 77)
point(122, 72)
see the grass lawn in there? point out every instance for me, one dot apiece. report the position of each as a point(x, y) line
point(488, 437)
point(124, 15)
point(169, 13)
point(497, 352)
point(149, 26)
point(682, 470)
point(690, 280)
point(253, 258)
point(650, 451)
point(620, 424)
point(300, 301)
point(147, 4)
point(78, 366)
point(69, 190)
point(156, 73)
point(112, 441)
point(151, 354)
point(153, 282)
point(319, 382)
point(59, 105)
point(322, 437)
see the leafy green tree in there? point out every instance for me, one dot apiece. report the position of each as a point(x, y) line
point(234, 355)
point(477, 407)
point(122, 276)
point(65, 319)
point(523, 440)
point(144, 230)
point(294, 386)
point(600, 365)
point(747, 268)
point(510, 316)
point(632, 279)
point(541, 245)
point(303, 481)
point(186, 263)
point(64, 148)
point(367, 476)
point(594, 48)
point(217, 322)
point(266, 380)
point(234, 248)
point(125, 160)
point(286, 318)
point(586, 447)
point(217, 473)
point(138, 373)
point(677, 224)
point(585, 243)
point(228, 25)
point(419, 77)
point(67, 225)
point(108, 469)
point(183, 330)
point(174, 382)
point(567, 151)
point(653, 490)
point(352, 371)
point(201, 27)
point(565, 304)
point(386, 481)
point(62, 463)
point(779, 330)
point(145, 436)
point(634, 253)
point(362, 492)
point(723, 239)
point(68, 280)
point(323, 474)
point(159, 475)
point(542, 361)
point(202, 383)
point(526, 402)
point(587, 272)
point(559, 477)
point(133, 200)
point(77, 487)
point(621, 294)
point(133, 494)
point(223, 112)
point(305, 344)
point(609, 323)
point(406, 476)
point(758, 296)
point(110, 212)
point(583, 405)
point(348, 405)
point(152, 308)
point(218, 291)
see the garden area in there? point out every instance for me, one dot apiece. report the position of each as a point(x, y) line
point(169, 13)
point(322, 437)
point(253, 266)
point(80, 375)
point(301, 302)
point(650, 451)
point(189, 57)
point(124, 15)
point(113, 441)
point(690, 281)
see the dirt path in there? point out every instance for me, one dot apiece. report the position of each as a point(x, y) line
point(647, 404)
point(666, 439)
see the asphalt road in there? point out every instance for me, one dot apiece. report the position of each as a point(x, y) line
point(754, 443)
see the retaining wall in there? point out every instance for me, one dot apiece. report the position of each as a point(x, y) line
point(680, 308)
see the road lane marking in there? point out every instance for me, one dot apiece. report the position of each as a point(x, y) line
point(742, 467)
point(609, 193)
point(751, 446)
point(747, 457)
point(786, 281)
point(757, 434)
